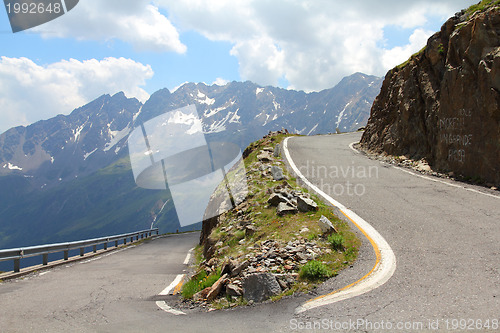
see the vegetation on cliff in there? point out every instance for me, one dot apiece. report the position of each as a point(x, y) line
point(265, 240)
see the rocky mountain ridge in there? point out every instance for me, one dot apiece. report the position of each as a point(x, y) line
point(95, 135)
point(443, 104)
point(70, 177)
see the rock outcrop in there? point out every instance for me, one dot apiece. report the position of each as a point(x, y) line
point(443, 104)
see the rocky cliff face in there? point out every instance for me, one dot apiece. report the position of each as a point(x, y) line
point(443, 104)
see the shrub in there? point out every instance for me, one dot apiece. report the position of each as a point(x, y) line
point(336, 241)
point(315, 270)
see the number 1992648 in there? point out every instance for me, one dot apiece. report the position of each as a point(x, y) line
point(33, 8)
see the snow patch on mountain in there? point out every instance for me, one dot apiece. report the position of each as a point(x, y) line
point(11, 166)
point(88, 154)
point(235, 118)
point(212, 112)
point(116, 136)
point(137, 114)
point(341, 114)
point(313, 129)
point(204, 99)
point(78, 131)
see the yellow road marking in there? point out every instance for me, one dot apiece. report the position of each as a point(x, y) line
point(178, 287)
point(377, 262)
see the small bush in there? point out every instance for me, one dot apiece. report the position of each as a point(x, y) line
point(336, 241)
point(311, 236)
point(315, 270)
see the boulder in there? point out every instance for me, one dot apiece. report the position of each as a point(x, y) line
point(239, 268)
point(276, 152)
point(264, 156)
point(216, 288)
point(284, 208)
point(326, 226)
point(304, 230)
point(275, 199)
point(306, 205)
point(201, 295)
point(277, 173)
point(233, 290)
point(228, 266)
point(250, 230)
point(260, 286)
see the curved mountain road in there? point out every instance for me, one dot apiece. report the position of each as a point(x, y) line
point(445, 240)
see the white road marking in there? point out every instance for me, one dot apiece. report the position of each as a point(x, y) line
point(433, 179)
point(99, 257)
point(174, 283)
point(188, 257)
point(446, 183)
point(385, 265)
point(165, 307)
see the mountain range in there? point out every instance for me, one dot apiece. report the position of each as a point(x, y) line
point(70, 177)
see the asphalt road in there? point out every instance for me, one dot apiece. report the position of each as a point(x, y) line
point(446, 242)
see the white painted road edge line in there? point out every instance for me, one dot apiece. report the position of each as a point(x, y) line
point(385, 265)
point(165, 307)
point(433, 179)
point(188, 257)
point(162, 304)
point(174, 283)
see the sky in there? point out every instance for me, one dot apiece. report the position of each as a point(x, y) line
point(141, 46)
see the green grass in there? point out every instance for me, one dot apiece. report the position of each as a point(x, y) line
point(441, 49)
point(199, 282)
point(268, 225)
point(483, 5)
point(315, 271)
point(409, 59)
point(336, 241)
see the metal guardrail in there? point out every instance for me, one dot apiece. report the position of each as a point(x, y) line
point(44, 250)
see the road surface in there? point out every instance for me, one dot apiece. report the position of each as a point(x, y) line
point(445, 239)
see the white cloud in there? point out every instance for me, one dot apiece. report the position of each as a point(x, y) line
point(313, 44)
point(400, 54)
point(220, 81)
point(30, 92)
point(137, 22)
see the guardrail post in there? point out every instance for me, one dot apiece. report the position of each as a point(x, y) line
point(17, 265)
point(142, 236)
point(82, 251)
point(94, 249)
point(125, 241)
point(105, 246)
point(45, 259)
point(157, 232)
point(116, 243)
point(66, 254)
